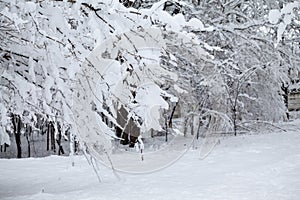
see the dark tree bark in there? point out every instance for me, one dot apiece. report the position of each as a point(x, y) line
point(192, 125)
point(58, 140)
point(285, 95)
point(234, 119)
point(166, 124)
point(52, 136)
point(171, 116)
point(27, 134)
point(198, 129)
point(3, 147)
point(48, 136)
point(17, 124)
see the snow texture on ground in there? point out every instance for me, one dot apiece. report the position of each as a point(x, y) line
point(260, 166)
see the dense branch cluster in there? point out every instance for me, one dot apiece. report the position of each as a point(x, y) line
point(233, 61)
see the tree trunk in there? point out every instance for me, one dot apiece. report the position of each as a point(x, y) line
point(72, 144)
point(33, 145)
point(58, 140)
point(192, 125)
point(185, 126)
point(171, 116)
point(198, 129)
point(28, 145)
point(27, 134)
point(48, 136)
point(52, 137)
point(17, 124)
point(166, 124)
point(234, 114)
point(234, 121)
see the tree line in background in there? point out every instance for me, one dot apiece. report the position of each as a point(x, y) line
point(39, 137)
point(234, 68)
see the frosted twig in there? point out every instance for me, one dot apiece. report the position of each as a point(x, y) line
point(112, 166)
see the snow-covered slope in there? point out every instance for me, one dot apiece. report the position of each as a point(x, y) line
point(264, 166)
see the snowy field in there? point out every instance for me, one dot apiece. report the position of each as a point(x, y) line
point(259, 166)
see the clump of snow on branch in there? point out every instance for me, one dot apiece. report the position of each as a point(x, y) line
point(283, 18)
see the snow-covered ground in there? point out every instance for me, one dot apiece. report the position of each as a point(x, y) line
point(260, 166)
